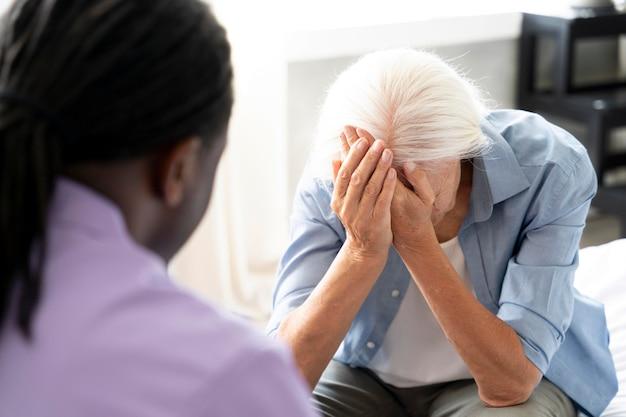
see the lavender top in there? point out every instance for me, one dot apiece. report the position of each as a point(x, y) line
point(113, 336)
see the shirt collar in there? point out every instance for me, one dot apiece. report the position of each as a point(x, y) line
point(78, 205)
point(497, 176)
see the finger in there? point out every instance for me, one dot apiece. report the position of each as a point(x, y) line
point(348, 166)
point(376, 182)
point(418, 179)
point(351, 136)
point(362, 133)
point(345, 147)
point(361, 176)
point(386, 196)
point(404, 181)
point(402, 191)
point(336, 165)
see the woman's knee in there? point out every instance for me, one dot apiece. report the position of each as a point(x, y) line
point(344, 391)
point(546, 401)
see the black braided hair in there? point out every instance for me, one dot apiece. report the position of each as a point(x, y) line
point(94, 80)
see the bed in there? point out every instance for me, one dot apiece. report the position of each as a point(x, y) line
point(602, 276)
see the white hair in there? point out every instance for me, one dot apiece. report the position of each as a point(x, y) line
point(420, 106)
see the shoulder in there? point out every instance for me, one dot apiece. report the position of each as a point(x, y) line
point(312, 201)
point(229, 359)
point(539, 143)
point(313, 190)
point(560, 175)
point(268, 380)
point(176, 325)
point(160, 342)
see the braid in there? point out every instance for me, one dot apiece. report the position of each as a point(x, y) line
point(94, 80)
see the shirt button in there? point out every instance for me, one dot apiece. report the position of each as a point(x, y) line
point(371, 345)
point(395, 293)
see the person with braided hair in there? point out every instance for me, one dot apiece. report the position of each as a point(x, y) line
point(113, 117)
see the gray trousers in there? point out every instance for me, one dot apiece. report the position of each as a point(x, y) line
point(356, 392)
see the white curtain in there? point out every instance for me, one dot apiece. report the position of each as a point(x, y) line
point(232, 257)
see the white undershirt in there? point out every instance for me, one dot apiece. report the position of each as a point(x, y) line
point(415, 351)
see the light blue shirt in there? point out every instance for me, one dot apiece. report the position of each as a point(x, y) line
point(531, 194)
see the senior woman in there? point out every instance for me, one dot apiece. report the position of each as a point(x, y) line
point(431, 274)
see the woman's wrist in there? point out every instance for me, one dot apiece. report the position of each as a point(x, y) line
point(360, 254)
point(417, 243)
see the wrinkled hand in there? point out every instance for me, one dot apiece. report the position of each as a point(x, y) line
point(412, 203)
point(364, 188)
point(411, 209)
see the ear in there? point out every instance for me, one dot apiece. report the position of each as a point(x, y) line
point(175, 169)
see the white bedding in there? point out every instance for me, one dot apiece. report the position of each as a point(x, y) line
point(602, 276)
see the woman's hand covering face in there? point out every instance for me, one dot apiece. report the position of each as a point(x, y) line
point(416, 204)
point(364, 187)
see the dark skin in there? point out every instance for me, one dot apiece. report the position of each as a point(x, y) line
point(162, 196)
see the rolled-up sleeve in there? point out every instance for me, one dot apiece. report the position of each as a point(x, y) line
point(537, 296)
point(315, 239)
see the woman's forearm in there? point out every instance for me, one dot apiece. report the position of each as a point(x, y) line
point(315, 330)
point(364, 185)
point(490, 348)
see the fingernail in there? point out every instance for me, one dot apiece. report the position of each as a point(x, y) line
point(378, 145)
point(409, 166)
point(386, 155)
point(361, 144)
